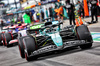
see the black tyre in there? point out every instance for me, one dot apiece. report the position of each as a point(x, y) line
point(3, 39)
point(8, 38)
point(0, 38)
point(87, 46)
point(21, 47)
point(30, 58)
point(30, 46)
point(84, 34)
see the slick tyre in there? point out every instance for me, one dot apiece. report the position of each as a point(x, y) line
point(21, 47)
point(3, 39)
point(84, 34)
point(0, 38)
point(30, 46)
point(7, 37)
point(86, 46)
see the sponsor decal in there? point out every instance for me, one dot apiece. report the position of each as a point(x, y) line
point(72, 43)
point(45, 49)
point(36, 26)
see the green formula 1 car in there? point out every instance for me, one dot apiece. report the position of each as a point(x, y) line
point(51, 37)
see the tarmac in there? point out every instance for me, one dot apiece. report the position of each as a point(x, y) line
point(69, 57)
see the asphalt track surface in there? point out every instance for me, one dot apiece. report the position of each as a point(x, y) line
point(68, 57)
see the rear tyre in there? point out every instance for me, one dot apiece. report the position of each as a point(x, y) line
point(30, 47)
point(1, 39)
point(8, 38)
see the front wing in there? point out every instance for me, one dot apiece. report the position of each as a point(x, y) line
point(54, 47)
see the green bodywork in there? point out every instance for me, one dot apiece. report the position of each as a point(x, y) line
point(55, 35)
point(36, 26)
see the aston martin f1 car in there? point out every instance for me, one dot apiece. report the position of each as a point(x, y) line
point(51, 37)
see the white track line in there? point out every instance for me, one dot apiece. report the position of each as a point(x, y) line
point(96, 41)
point(95, 32)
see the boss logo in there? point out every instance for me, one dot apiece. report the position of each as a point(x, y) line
point(74, 42)
point(45, 49)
